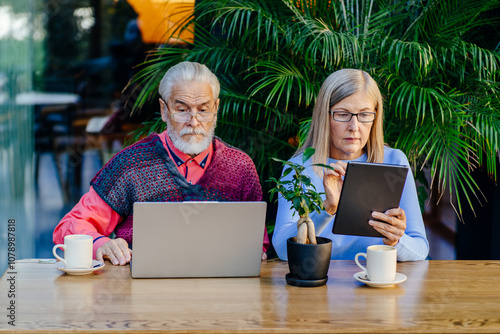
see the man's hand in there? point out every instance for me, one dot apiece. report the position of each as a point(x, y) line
point(116, 250)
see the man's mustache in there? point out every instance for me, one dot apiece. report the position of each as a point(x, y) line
point(192, 131)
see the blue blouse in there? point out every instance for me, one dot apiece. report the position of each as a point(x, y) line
point(412, 246)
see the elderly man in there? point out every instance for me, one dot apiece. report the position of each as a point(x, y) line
point(184, 163)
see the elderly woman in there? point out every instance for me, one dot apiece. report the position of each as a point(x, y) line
point(347, 126)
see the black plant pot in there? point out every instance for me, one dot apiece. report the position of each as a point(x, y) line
point(308, 264)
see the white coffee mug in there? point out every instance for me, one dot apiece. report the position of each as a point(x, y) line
point(77, 251)
point(380, 263)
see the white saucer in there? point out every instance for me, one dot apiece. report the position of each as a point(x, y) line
point(361, 277)
point(96, 265)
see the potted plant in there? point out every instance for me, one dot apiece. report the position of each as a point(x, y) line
point(308, 255)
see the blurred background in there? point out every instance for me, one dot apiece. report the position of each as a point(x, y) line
point(65, 109)
point(63, 66)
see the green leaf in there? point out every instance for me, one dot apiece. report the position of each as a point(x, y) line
point(308, 153)
point(272, 179)
point(287, 171)
point(304, 180)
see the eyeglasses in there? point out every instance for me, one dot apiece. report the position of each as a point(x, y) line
point(344, 116)
point(185, 116)
point(201, 116)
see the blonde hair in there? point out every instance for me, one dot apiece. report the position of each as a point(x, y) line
point(339, 85)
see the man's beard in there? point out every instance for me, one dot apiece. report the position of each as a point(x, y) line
point(191, 146)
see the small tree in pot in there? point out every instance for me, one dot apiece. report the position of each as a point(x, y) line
point(308, 265)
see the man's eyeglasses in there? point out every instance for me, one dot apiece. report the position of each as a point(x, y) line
point(185, 116)
point(344, 116)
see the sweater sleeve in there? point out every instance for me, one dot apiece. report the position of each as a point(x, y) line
point(90, 216)
point(413, 245)
point(251, 190)
point(285, 227)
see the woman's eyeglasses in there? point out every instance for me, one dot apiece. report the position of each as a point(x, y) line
point(344, 116)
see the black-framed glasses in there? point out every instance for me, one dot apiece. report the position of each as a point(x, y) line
point(344, 116)
point(185, 116)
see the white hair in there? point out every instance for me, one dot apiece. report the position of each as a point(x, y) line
point(185, 72)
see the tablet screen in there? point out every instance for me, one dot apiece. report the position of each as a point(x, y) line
point(367, 187)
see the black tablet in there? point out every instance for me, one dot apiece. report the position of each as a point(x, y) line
point(367, 187)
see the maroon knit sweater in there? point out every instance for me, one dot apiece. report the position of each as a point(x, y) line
point(144, 172)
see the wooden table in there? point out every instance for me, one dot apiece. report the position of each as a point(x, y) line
point(438, 297)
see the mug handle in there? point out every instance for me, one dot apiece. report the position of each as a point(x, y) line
point(55, 254)
point(359, 264)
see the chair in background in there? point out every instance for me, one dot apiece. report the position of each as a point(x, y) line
point(69, 151)
point(51, 123)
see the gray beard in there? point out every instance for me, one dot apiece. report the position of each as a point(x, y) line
point(190, 147)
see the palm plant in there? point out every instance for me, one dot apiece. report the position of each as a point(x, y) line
point(437, 73)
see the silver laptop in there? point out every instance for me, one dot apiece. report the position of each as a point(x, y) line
point(197, 239)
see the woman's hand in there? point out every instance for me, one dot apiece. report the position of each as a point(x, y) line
point(332, 182)
point(394, 226)
point(116, 250)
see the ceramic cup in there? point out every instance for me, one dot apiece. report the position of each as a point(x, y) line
point(380, 263)
point(77, 251)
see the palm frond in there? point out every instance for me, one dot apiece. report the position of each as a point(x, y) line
point(322, 43)
point(149, 77)
point(243, 19)
point(418, 56)
point(282, 78)
point(449, 153)
point(442, 21)
point(409, 99)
